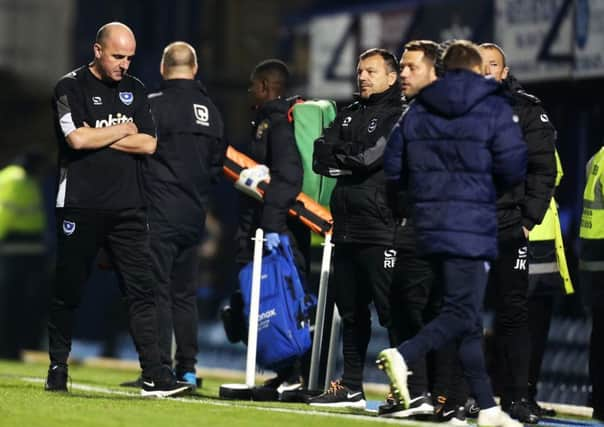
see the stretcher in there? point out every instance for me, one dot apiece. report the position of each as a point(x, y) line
point(253, 179)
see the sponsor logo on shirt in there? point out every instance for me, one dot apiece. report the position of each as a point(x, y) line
point(97, 100)
point(126, 97)
point(544, 118)
point(346, 121)
point(112, 121)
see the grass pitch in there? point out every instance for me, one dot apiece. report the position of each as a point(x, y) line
point(96, 399)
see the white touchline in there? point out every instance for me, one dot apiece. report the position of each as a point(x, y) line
point(233, 404)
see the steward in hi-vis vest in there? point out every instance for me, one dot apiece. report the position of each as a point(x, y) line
point(546, 247)
point(22, 256)
point(548, 271)
point(592, 265)
point(592, 220)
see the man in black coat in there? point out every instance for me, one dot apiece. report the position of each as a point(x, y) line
point(178, 177)
point(272, 144)
point(518, 211)
point(351, 149)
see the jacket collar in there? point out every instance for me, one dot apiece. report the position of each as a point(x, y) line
point(184, 84)
point(392, 95)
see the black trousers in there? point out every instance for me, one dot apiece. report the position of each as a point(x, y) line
point(544, 286)
point(596, 345)
point(509, 282)
point(124, 235)
point(416, 299)
point(175, 264)
point(362, 274)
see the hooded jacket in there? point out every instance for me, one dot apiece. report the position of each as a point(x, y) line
point(457, 145)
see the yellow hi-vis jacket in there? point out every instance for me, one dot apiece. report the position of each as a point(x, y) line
point(549, 230)
point(592, 220)
point(21, 207)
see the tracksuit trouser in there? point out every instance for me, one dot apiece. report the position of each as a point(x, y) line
point(459, 321)
point(543, 289)
point(124, 235)
point(362, 274)
point(509, 278)
point(175, 264)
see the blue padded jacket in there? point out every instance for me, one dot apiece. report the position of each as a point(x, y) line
point(454, 150)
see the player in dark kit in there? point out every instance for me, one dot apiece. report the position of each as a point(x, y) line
point(104, 126)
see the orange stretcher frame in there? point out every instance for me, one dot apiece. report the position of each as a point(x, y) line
point(309, 212)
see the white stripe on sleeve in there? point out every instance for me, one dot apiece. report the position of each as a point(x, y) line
point(67, 124)
point(62, 187)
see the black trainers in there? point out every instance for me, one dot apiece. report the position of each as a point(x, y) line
point(540, 410)
point(137, 383)
point(163, 384)
point(339, 396)
point(56, 380)
point(471, 408)
point(190, 378)
point(389, 403)
point(521, 410)
point(455, 416)
point(281, 384)
point(420, 407)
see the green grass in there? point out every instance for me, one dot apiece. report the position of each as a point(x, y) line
point(23, 402)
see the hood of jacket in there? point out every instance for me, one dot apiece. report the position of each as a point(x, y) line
point(457, 92)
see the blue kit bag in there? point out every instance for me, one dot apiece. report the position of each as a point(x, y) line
point(283, 325)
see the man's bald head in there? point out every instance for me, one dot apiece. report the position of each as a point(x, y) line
point(114, 49)
point(112, 31)
point(179, 60)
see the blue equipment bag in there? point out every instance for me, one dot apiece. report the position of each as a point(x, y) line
point(283, 315)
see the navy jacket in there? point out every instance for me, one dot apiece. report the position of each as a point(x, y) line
point(457, 145)
point(189, 157)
